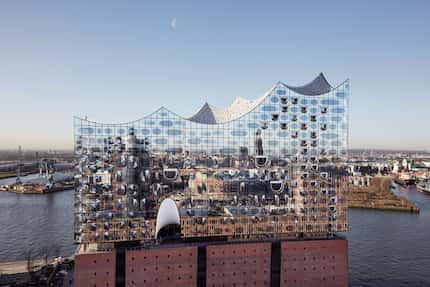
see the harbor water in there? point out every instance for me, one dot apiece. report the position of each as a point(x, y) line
point(385, 248)
point(390, 248)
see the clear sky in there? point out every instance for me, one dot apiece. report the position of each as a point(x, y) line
point(119, 60)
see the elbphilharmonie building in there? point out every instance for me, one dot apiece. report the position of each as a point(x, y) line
point(264, 168)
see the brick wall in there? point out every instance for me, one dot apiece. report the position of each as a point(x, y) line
point(314, 263)
point(161, 267)
point(241, 264)
point(301, 263)
point(95, 269)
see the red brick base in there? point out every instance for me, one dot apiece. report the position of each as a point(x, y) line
point(314, 263)
point(161, 267)
point(95, 269)
point(241, 264)
point(300, 263)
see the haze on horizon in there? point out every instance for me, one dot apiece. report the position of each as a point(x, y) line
point(118, 61)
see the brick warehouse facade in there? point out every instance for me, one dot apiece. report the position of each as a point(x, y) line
point(161, 267)
point(219, 264)
point(243, 264)
point(95, 269)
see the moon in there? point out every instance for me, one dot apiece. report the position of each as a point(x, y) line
point(173, 24)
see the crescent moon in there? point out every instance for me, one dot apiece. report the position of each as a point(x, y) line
point(173, 24)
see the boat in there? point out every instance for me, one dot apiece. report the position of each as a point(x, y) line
point(407, 179)
point(424, 186)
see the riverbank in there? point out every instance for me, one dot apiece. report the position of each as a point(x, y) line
point(43, 273)
point(11, 174)
point(37, 188)
point(36, 184)
point(19, 266)
point(378, 195)
point(22, 266)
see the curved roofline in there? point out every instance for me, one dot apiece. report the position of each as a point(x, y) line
point(137, 120)
point(261, 99)
point(267, 94)
point(316, 87)
point(332, 89)
point(181, 117)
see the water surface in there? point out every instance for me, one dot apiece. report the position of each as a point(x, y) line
point(386, 248)
point(34, 221)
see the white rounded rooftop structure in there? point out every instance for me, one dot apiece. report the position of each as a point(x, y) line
point(168, 214)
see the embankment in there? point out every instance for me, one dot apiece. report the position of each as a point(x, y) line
point(379, 196)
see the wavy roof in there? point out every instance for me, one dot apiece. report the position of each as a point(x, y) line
point(318, 86)
point(209, 114)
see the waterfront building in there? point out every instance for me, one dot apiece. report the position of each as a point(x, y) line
point(396, 166)
point(259, 170)
point(405, 164)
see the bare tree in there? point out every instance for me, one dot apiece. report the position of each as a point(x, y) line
point(45, 252)
point(30, 261)
point(55, 249)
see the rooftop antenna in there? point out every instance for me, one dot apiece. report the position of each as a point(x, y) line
point(40, 168)
point(20, 160)
point(46, 169)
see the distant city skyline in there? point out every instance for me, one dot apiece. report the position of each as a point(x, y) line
point(116, 61)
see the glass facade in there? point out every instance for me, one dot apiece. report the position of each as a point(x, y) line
point(275, 168)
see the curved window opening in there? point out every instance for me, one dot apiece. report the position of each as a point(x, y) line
point(169, 233)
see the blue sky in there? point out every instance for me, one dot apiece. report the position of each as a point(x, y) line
point(119, 60)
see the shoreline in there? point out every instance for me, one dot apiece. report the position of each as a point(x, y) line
point(381, 208)
point(6, 175)
point(62, 189)
point(18, 267)
point(379, 196)
point(33, 185)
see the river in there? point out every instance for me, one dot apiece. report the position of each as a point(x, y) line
point(389, 248)
point(385, 248)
